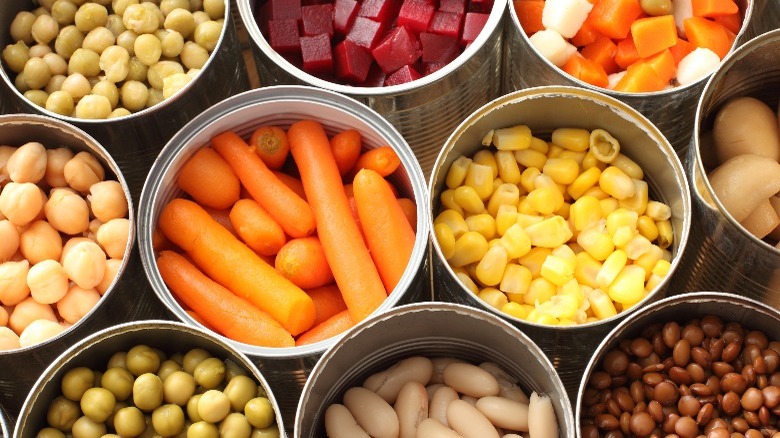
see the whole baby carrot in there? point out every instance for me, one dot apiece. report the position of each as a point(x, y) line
point(256, 227)
point(389, 236)
point(346, 147)
point(292, 182)
point(228, 314)
point(328, 302)
point(270, 144)
point(335, 325)
point(347, 255)
point(209, 179)
point(303, 262)
point(383, 160)
point(229, 262)
point(289, 209)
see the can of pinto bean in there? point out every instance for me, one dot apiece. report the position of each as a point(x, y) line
point(543, 110)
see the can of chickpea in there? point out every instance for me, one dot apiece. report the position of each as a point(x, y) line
point(158, 65)
point(730, 251)
point(713, 340)
point(526, 250)
point(286, 368)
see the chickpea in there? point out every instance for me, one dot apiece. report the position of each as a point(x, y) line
point(148, 48)
point(28, 311)
point(20, 83)
point(55, 164)
point(119, 6)
point(21, 27)
point(70, 243)
point(85, 427)
point(98, 39)
point(55, 83)
point(64, 12)
point(112, 270)
point(166, 6)
point(67, 212)
point(8, 339)
point(48, 281)
point(161, 70)
point(39, 50)
point(84, 61)
point(5, 154)
point(155, 97)
point(115, 25)
point(82, 171)
point(215, 8)
point(200, 17)
point(114, 236)
point(57, 65)
point(119, 112)
point(60, 102)
point(10, 238)
point(140, 19)
point(134, 95)
point(76, 85)
point(16, 56)
point(39, 331)
point(77, 303)
point(28, 163)
point(175, 83)
point(39, 242)
point(126, 40)
point(138, 70)
point(44, 29)
point(36, 73)
point(93, 106)
point(193, 56)
point(37, 97)
point(115, 62)
point(181, 20)
point(108, 90)
point(207, 34)
point(85, 264)
point(172, 43)
point(13, 285)
point(68, 41)
point(89, 16)
point(3, 317)
point(20, 202)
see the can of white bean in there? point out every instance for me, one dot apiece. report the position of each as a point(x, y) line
point(725, 254)
point(443, 332)
point(543, 110)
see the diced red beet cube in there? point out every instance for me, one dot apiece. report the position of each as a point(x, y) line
point(317, 54)
point(438, 48)
point(352, 61)
point(433, 67)
point(344, 13)
point(382, 11)
point(454, 6)
point(365, 32)
point(284, 9)
point(472, 26)
point(399, 48)
point(446, 23)
point(403, 75)
point(483, 6)
point(317, 19)
point(376, 77)
point(283, 35)
point(416, 15)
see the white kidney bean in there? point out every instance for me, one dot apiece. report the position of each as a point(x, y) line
point(746, 125)
point(439, 402)
point(416, 368)
point(439, 364)
point(411, 408)
point(469, 399)
point(496, 371)
point(466, 420)
point(541, 417)
point(372, 413)
point(470, 380)
point(762, 220)
point(431, 389)
point(511, 391)
point(431, 428)
point(511, 435)
point(742, 182)
point(339, 423)
point(376, 380)
point(504, 413)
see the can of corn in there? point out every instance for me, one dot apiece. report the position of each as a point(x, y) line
point(285, 368)
point(544, 109)
point(431, 329)
point(724, 255)
point(425, 110)
point(671, 110)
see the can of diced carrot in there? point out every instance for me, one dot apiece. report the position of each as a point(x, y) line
point(670, 102)
point(287, 367)
point(543, 269)
point(730, 252)
point(446, 332)
point(451, 73)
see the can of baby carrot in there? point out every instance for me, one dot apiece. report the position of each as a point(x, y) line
point(729, 252)
point(671, 108)
point(438, 331)
point(286, 368)
point(539, 112)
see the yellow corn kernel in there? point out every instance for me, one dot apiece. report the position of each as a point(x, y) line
point(467, 282)
point(454, 220)
point(552, 232)
point(469, 248)
point(543, 319)
point(629, 286)
point(662, 268)
point(506, 216)
point(493, 242)
point(567, 322)
point(539, 291)
point(658, 211)
point(572, 288)
point(576, 156)
point(596, 242)
point(471, 269)
point(647, 228)
point(534, 259)
point(457, 172)
point(545, 200)
point(445, 238)
point(493, 297)
point(585, 212)
point(573, 139)
point(515, 310)
point(628, 166)
point(611, 268)
point(601, 305)
point(526, 220)
point(491, 268)
point(497, 183)
point(653, 282)
point(524, 207)
point(665, 234)
point(508, 170)
point(608, 205)
point(597, 193)
point(480, 178)
point(603, 145)
point(590, 161)
point(586, 270)
point(516, 241)
point(616, 183)
point(543, 180)
point(622, 236)
point(554, 151)
point(486, 157)
point(557, 270)
point(447, 198)
point(619, 218)
point(637, 247)
point(539, 145)
point(561, 170)
point(638, 201)
point(528, 178)
point(469, 200)
point(565, 252)
point(574, 246)
point(667, 255)
point(564, 211)
point(483, 224)
point(531, 158)
point(648, 260)
point(487, 139)
point(513, 138)
point(505, 194)
point(559, 307)
point(583, 182)
point(515, 280)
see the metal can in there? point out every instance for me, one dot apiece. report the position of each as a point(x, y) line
point(766, 17)
point(431, 329)
point(671, 110)
point(426, 110)
point(725, 256)
point(135, 140)
point(682, 308)
point(5, 424)
point(285, 368)
point(543, 109)
point(95, 351)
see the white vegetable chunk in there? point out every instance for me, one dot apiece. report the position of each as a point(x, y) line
point(552, 46)
point(614, 78)
point(681, 9)
point(565, 16)
point(696, 65)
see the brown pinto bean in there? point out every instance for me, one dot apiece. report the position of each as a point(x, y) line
point(712, 326)
point(731, 351)
point(653, 378)
point(615, 362)
point(613, 407)
point(600, 380)
point(701, 357)
point(634, 371)
point(752, 399)
point(733, 382)
point(719, 432)
point(749, 352)
point(659, 347)
point(739, 425)
point(688, 406)
point(665, 393)
point(705, 414)
point(757, 338)
point(700, 390)
point(751, 418)
point(641, 424)
point(669, 422)
point(696, 372)
point(693, 334)
point(607, 422)
point(716, 348)
point(637, 391)
point(720, 369)
point(772, 360)
point(641, 347)
point(654, 368)
point(771, 396)
point(682, 352)
point(679, 376)
point(595, 410)
point(686, 427)
point(589, 431)
point(749, 374)
point(656, 411)
point(731, 403)
point(671, 334)
point(764, 415)
point(624, 400)
point(759, 365)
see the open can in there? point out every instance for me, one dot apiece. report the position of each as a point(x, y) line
point(5, 424)
point(544, 109)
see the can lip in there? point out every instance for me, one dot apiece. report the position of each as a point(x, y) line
point(493, 23)
point(5, 429)
point(91, 144)
point(709, 89)
point(206, 122)
point(600, 98)
point(691, 300)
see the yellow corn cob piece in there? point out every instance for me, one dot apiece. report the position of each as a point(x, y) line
point(561, 170)
point(585, 212)
point(469, 200)
point(584, 181)
point(482, 223)
point(601, 305)
point(491, 268)
point(469, 248)
point(493, 297)
point(603, 145)
point(445, 238)
point(629, 285)
point(516, 241)
point(508, 170)
point(457, 172)
point(549, 233)
point(616, 183)
point(454, 220)
point(611, 268)
point(513, 138)
point(573, 139)
point(515, 280)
